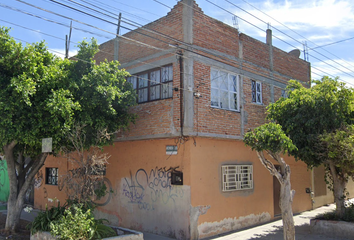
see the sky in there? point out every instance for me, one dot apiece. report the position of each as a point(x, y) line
point(324, 27)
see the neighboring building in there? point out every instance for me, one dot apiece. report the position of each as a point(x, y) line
point(199, 90)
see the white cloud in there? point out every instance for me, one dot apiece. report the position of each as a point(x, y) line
point(334, 68)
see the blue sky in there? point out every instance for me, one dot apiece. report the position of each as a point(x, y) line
point(318, 22)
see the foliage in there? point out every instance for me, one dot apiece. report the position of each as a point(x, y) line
point(77, 222)
point(85, 181)
point(318, 121)
point(44, 96)
point(43, 220)
point(73, 220)
point(309, 112)
point(338, 147)
point(74, 224)
point(347, 217)
point(269, 137)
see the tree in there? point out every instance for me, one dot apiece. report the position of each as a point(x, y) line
point(271, 139)
point(85, 180)
point(313, 117)
point(44, 96)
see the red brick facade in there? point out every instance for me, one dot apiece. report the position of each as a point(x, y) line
point(214, 45)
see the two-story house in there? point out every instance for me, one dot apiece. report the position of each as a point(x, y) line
point(182, 169)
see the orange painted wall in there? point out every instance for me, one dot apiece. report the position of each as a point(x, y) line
point(234, 210)
point(142, 197)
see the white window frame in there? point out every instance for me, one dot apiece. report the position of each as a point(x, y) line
point(257, 91)
point(231, 89)
point(237, 177)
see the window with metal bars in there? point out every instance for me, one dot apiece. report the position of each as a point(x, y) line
point(224, 90)
point(237, 177)
point(256, 92)
point(154, 84)
point(51, 176)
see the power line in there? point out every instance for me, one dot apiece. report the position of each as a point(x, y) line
point(89, 25)
point(226, 60)
point(328, 44)
point(295, 33)
point(285, 35)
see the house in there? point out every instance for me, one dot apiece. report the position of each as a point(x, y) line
point(182, 169)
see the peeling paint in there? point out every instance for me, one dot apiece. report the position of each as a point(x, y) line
point(207, 229)
point(195, 212)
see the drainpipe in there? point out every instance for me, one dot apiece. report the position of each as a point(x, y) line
point(181, 79)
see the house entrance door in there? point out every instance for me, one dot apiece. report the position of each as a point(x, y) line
point(276, 196)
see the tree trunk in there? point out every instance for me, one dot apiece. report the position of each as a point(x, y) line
point(286, 199)
point(339, 185)
point(14, 209)
point(18, 188)
point(286, 194)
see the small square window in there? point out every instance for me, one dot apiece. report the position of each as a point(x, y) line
point(237, 177)
point(256, 92)
point(51, 176)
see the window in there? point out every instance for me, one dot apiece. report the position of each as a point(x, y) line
point(237, 177)
point(224, 90)
point(256, 92)
point(284, 93)
point(154, 84)
point(51, 176)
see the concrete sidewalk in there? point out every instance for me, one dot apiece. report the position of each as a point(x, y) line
point(274, 230)
point(269, 231)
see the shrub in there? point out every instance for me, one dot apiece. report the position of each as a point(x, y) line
point(348, 215)
point(78, 222)
point(74, 224)
point(44, 219)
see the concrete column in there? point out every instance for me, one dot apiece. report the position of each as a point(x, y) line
point(188, 83)
point(116, 48)
point(269, 42)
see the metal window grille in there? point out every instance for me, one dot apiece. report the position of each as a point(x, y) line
point(51, 176)
point(237, 177)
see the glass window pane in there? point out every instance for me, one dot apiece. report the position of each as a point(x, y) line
point(154, 92)
point(215, 97)
point(143, 95)
point(224, 99)
point(167, 90)
point(214, 78)
point(233, 101)
point(155, 77)
point(233, 83)
point(167, 73)
point(132, 80)
point(258, 87)
point(143, 80)
point(223, 80)
point(253, 85)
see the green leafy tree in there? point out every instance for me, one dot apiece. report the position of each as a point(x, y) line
point(270, 139)
point(44, 96)
point(313, 118)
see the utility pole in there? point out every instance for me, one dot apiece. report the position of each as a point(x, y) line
point(116, 40)
point(306, 51)
point(67, 41)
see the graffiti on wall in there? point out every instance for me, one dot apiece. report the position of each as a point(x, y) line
point(38, 179)
point(145, 188)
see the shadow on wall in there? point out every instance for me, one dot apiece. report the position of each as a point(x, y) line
point(4, 182)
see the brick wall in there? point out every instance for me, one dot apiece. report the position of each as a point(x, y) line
point(212, 34)
point(216, 41)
